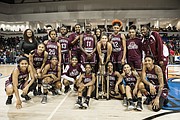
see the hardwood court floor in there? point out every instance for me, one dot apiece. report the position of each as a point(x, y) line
point(61, 107)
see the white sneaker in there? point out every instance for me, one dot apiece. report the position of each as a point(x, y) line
point(58, 92)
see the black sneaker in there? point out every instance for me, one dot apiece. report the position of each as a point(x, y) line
point(86, 103)
point(44, 99)
point(9, 100)
point(39, 92)
point(78, 103)
point(125, 102)
point(67, 89)
point(35, 92)
point(53, 92)
point(26, 97)
point(131, 105)
point(75, 88)
point(147, 101)
point(139, 106)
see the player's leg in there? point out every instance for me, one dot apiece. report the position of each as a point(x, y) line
point(89, 92)
point(45, 83)
point(9, 91)
point(78, 103)
point(67, 85)
point(131, 104)
point(139, 101)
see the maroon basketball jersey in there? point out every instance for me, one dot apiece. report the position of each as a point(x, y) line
point(112, 80)
point(38, 59)
point(73, 71)
point(53, 71)
point(130, 80)
point(104, 48)
point(87, 78)
point(134, 49)
point(51, 48)
point(21, 77)
point(116, 43)
point(71, 38)
point(64, 41)
point(88, 43)
point(152, 76)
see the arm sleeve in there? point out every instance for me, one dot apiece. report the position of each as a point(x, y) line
point(159, 43)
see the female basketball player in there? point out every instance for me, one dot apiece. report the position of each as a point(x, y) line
point(65, 46)
point(71, 73)
point(53, 47)
point(74, 39)
point(37, 60)
point(134, 49)
point(118, 42)
point(104, 49)
point(85, 85)
point(132, 79)
point(88, 43)
point(19, 79)
point(154, 85)
point(51, 76)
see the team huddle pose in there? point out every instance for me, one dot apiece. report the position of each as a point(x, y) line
point(95, 65)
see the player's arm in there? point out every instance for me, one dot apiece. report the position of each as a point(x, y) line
point(159, 73)
point(124, 48)
point(92, 81)
point(80, 44)
point(95, 39)
point(119, 76)
point(15, 83)
point(59, 74)
point(144, 80)
point(44, 73)
point(44, 60)
point(75, 40)
point(138, 78)
point(80, 79)
point(99, 52)
point(109, 51)
point(59, 53)
point(159, 46)
point(31, 75)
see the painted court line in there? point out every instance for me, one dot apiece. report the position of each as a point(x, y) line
point(55, 110)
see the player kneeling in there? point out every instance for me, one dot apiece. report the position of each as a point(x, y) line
point(153, 85)
point(51, 77)
point(85, 86)
point(132, 79)
point(19, 79)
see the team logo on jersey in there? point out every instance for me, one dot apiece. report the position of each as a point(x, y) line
point(132, 45)
point(74, 72)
